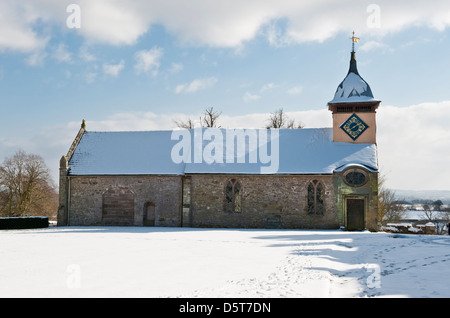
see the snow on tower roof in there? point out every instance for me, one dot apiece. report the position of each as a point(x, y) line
point(291, 151)
point(353, 88)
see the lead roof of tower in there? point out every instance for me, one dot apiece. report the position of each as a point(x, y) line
point(353, 88)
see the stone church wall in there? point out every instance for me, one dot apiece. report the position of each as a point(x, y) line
point(266, 202)
point(122, 200)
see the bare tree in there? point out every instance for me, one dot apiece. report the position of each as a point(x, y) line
point(26, 187)
point(438, 205)
point(428, 212)
point(279, 119)
point(437, 217)
point(389, 211)
point(188, 124)
point(209, 118)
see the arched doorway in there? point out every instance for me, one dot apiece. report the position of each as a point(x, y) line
point(149, 214)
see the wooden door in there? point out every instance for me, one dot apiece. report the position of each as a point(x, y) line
point(355, 214)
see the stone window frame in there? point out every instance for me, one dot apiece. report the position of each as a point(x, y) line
point(317, 206)
point(353, 170)
point(235, 208)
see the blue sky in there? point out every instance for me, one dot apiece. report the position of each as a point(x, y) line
point(139, 65)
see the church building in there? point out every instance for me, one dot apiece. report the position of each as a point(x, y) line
point(310, 178)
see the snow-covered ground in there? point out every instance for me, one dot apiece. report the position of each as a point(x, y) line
point(187, 262)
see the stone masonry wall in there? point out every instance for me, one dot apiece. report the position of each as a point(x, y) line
point(87, 195)
point(199, 200)
point(267, 202)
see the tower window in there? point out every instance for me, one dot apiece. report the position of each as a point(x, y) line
point(233, 195)
point(315, 197)
point(353, 109)
point(363, 109)
point(344, 109)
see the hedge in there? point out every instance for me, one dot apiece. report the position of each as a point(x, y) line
point(29, 222)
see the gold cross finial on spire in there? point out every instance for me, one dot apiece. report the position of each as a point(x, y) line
point(354, 40)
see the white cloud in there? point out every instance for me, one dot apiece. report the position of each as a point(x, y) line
point(16, 23)
point(375, 45)
point(274, 34)
point(148, 61)
point(36, 58)
point(221, 23)
point(295, 90)
point(61, 54)
point(126, 121)
point(85, 55)
point(248, 97)
point(267, 87)
point(113, 69)
point(176, 67)
point(195, 85)
point(414, 145)
point(129, 121)
point(113, 22)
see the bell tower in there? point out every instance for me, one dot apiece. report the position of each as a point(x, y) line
point(354, 107)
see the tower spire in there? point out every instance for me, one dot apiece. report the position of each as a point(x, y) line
point(353, 88)
point(354, 40)
point(352, 57)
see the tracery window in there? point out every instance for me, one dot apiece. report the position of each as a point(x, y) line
point(315, 197)
point(233, 196)
point(355, 177)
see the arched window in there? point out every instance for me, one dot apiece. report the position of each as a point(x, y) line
point(233, 195)
point(315, 197)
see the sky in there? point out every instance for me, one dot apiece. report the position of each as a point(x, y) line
point(142, 65)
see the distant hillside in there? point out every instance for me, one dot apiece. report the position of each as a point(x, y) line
point(433, 195)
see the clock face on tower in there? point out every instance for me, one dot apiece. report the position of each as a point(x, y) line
point(354, 126)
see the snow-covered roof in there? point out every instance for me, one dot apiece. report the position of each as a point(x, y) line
point(120, 152)
point(282, 151)
point(353, 88)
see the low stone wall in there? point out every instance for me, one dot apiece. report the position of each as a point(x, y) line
point(408, 228)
